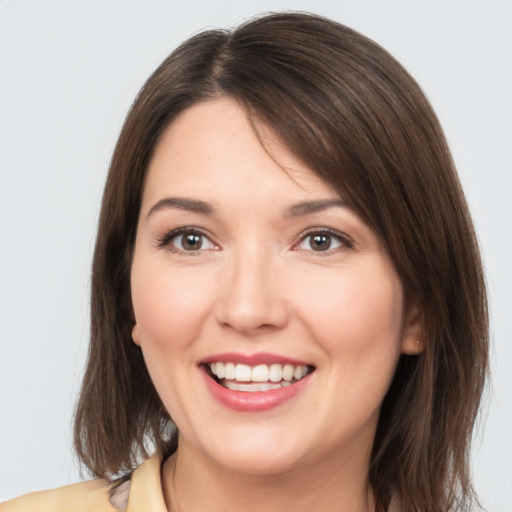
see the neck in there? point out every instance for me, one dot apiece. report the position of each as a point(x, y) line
point(193, 482)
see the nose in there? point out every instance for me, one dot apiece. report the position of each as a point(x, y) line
point(253, 298)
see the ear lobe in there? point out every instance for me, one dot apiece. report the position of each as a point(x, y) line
point(413, 340)
point(136, 335)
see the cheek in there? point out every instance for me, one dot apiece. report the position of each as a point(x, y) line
point(358, 326)
point(359, 313)
point(166, 301)
point(170, 307)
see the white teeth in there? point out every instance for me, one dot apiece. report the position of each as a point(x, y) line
point(243, 373)
point(266, 386)
point(275, 373)
point(267, 377)
point(288, 372)
point(259, 373)
point(229, 371)
point(219, 370)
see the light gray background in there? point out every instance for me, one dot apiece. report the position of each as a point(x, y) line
point(69, 70)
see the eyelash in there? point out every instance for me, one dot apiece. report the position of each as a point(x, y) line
point(166, 240)
point(343, 240)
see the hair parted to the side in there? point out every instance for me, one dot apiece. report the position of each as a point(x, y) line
point(350, 111)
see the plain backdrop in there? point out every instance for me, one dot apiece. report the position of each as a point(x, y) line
point(69, 71)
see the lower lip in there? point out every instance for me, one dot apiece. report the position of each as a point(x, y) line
point(257, 401)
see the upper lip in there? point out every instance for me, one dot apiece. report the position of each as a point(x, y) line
point(253, 359)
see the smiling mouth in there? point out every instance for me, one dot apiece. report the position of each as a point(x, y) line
point(262, 377)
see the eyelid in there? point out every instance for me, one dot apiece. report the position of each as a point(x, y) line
point(345, 241)
point(165, 241)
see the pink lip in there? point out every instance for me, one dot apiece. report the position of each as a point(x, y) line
point(259, 401)
point(252, 359)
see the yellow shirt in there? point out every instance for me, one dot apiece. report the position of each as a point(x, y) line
point(145, 495)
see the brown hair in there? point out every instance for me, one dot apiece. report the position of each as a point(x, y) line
point(351, 112)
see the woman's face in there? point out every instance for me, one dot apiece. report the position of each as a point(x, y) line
point(269, 315)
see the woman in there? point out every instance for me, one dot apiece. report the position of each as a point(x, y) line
point(288, 305)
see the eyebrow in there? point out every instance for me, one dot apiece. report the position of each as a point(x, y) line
point(198, 206)
point(182, 203)
point(310, 207)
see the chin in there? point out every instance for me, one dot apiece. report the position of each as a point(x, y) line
point(257, 463)
point(261, 455)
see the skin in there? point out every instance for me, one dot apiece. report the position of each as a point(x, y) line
point(256, 283)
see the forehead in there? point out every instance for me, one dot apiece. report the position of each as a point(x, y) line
point(213, 148)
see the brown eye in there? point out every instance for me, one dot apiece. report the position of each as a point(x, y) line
point(322, 241)
point(189, 241)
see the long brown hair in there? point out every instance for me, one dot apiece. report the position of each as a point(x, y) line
point(351, 112)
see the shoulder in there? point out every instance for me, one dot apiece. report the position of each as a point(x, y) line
point(91, 496)
point(141, 493)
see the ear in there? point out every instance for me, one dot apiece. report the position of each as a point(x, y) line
point(413, 340)
point(136, 335)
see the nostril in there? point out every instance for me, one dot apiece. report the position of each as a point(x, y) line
point(250, 301)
